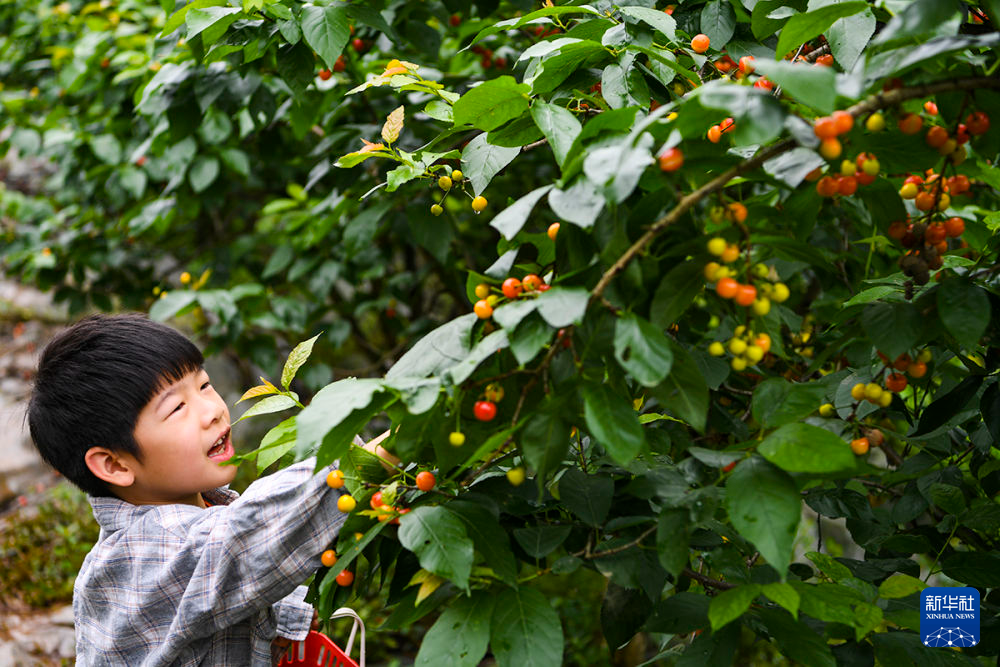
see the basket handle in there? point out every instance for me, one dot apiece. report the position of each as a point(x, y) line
point(347, 612)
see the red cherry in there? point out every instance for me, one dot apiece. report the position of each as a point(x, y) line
point(325, 74)
point(455, 20)
point(531, 282)
point(511, 288)
point(376, 500)
point(345, 578)
point(484, 411)
point(358, 44)
point(426, 480)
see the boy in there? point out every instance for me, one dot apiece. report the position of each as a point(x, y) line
point(185, 571)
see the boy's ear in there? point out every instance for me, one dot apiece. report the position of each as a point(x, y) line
point(109, 466)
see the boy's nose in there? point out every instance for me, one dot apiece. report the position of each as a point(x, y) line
point(213, 410)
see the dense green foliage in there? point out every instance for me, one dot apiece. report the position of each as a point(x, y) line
point(273, 165)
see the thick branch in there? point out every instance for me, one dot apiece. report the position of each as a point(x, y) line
point(875, 102)
point(708, 581)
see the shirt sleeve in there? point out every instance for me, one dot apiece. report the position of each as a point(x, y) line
point(294, 615)
point(228, 562)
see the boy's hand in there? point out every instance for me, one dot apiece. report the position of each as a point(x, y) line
point(389, 462)
point(279, 644)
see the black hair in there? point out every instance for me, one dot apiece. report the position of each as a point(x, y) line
point(93, 380)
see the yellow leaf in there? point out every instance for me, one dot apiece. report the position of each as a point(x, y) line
point(369, 146)
point(259, 390)
point(399, 69)
point(431, 584)
point(393, 125)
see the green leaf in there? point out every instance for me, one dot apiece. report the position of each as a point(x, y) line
point(563, 306)
point(210, 22)
point(529, 338)
point(296, 358)
point(672, 540)
point(764, 506)
point(491, 104)
point(330, 406)
point(276, 443)
point(804, 448)
point(545, 441)
point(718, 21)
point(729, 605)
point(568, 56)
point(803, 27)
point(203, 172)
point(900, 586)
point(267, 406)
point(797, 640)
point(777, 401)
point(489, 538)
point(849, 36)
point(642, 350)
point(510, 221)
point(964, 309)
point(759, 118)
point(623, 613)
point(684, 392)
point(613, 422)
point(793, 167)
point(618, 167)
point(326, 29)
point(481, 161)
point(526, 631)
point(436, 351)
point(540, 541)
point(177, 19)
point(439, 540)
point(784, 595)
point(809, 85)
point(587, 496)
point(514, 23)
point(973, 568)
point(624, 85)
point(676, 292)
point(460, 635)
point(680, 613)
point(893, 328)
point(829, 566)
point(296, 66)
point(172, 304)
point(484, 349)
point(947, 407)
point(580, 204)
point(560, 127)
point(716, 649)
point(107, 148)
point(656, 19)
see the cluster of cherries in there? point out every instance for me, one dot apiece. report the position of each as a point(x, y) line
point(425, 481)
point(486, 60)
point(512, 288)
point(446, 182)
point(744, 294)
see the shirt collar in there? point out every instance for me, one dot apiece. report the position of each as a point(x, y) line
point(114, 513)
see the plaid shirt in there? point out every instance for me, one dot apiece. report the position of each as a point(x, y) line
point(179, 585)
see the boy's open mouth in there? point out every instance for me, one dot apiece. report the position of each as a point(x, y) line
point(223, 447)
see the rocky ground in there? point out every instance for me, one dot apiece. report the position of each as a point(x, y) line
point(27, 320)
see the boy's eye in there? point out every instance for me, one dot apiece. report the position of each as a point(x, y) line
point(176, 409)
point(206, 385)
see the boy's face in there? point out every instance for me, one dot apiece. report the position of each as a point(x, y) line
point(183, 435)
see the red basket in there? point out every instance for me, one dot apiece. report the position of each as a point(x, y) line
point(318, 650)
